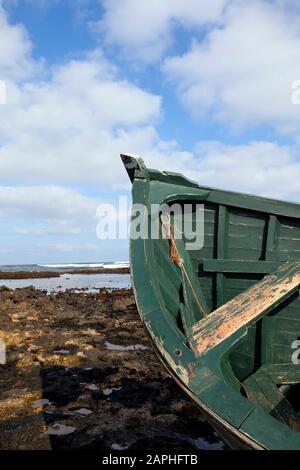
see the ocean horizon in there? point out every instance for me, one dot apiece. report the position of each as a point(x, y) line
point(62, 266)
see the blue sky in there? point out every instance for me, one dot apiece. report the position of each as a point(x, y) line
point(202, 88)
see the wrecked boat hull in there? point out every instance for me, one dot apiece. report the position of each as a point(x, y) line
point(223, 318)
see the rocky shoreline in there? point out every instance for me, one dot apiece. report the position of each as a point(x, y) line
point(81, 374)
point(52, 274)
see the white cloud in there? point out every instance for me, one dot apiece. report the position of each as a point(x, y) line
point(59, 228)
point(72, 122)
point(262, 168)
point(43, 211)
point(48, 203)
point(242, 73)
point(144, 29)
point(73, 126)
point(259, 167)
point(73, 247)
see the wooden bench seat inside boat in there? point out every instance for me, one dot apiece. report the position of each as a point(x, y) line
point(246, 308)
point(266, 389)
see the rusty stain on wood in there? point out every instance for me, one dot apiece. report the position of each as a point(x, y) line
point(191, 370)
point(174, 255)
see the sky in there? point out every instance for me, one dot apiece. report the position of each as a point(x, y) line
point(202, 88)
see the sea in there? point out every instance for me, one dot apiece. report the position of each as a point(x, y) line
point(78, 282)
point(62, 267)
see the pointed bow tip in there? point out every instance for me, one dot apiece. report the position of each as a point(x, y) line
point(132, 163)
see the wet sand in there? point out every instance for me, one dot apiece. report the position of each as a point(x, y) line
point(81, 374)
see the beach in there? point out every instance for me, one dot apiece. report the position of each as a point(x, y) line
point(80, 373)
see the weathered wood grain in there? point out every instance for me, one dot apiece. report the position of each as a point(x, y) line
point(246, 307)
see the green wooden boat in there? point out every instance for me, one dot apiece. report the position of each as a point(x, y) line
point(224, 318)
